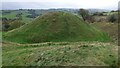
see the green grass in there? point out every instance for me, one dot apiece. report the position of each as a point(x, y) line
point(15, 24)
point(0, 48)
point(61, 53)
point(26, 19)
point(0, 36)
point(56, 27)
point(110, 28)
point(13, 14)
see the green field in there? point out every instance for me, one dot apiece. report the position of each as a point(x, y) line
point(13, 14)
point(59, 39)
point(61, 53)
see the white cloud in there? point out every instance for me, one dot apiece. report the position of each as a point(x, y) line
point(102, 4)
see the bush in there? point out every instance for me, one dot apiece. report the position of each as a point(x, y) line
point(91, 19)
point(113, 18)
point(32, 16)
point(5, 27)
point(15, 24)
point(98, 14)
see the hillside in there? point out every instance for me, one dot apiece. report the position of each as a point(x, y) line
point(110, 28)
point(55, 27)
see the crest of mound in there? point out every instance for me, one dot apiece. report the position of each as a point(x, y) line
point(55, 27)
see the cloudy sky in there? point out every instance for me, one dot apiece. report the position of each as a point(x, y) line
point(46, 4)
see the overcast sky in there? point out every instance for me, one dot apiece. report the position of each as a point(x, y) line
point(46, 4)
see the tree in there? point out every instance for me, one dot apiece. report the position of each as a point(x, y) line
point(32, 14)
point(84, 13)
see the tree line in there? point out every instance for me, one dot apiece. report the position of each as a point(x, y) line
point(90, 17)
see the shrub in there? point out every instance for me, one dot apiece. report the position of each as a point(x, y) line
point(15, 24)
point(113, 18)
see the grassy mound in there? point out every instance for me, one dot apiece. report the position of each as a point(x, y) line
point(55, 27)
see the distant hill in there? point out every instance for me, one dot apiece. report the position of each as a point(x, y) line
point(98, 10)
point(29, 14)
point(55, 27)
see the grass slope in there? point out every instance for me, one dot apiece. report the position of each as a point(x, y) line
point(55, 27)
point(60, 53)
point(15, 24)
point(110, 28)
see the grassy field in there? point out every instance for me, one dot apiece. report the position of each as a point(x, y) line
point(89, 44)
point(13, 13)
point(64, 53)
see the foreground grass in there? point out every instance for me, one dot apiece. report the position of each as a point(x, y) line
point(0, 36)
point(64, 53)
point(0, 49)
